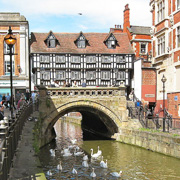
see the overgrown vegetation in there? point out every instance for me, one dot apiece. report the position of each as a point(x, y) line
point(37, 134)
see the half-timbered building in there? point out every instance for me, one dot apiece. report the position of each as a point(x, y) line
point(99, 59)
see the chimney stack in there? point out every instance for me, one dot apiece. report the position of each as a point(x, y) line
point(126, 18)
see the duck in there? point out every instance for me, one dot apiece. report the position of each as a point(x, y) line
point(93, 173)
point(104, 164)
point(85, 157)
point(85, 164)
point(116, 174)
point(59, 166)
point(49, 173)
point(94, 155)
point(99, 151)
point(74, 171)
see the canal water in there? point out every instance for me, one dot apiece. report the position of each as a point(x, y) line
point(135, 163)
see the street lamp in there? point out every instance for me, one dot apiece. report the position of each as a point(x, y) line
point(10, 40)
point(163, 81)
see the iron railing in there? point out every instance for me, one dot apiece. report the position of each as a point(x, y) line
point(9, 137)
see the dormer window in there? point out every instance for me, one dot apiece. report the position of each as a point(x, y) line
point(81, 41)
point(111, 42)
point(51, 41)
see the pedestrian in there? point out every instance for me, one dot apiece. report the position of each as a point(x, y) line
point(8, 99)
point(1, 112)
point(56, 83)
point(68, 84)
point(84, 84)
point(12, 104)
point(21, 102)
point(33, 96)
point(4, 100)
point(27, 95)
point(74, 84)
point(64, 84)
point(17, 97)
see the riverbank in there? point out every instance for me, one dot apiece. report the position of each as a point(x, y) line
point(26, 164)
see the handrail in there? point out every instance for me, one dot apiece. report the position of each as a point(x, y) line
point(10, 138)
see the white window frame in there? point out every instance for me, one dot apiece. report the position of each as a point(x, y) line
point(106, 59)
point(121, 75)
point(161, 44)
point(81, 42)
point(90, 75)
point(75, 75)
point(145, 49)
point(60, 75)
point(160, 10)
point(75, 59)
point(178, 4)
point(105, 75)
point(45, 75)
point(60, 59)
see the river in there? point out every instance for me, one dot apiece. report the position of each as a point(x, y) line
point(135, 163)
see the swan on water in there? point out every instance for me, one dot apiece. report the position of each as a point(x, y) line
point(104, 164)
point(85, 157)
point(94, 155)
point(85, 164)
point(78, 153)
point(93, 173)
point(49, 173)
point(67, 154)
point(59, 166)
point(101, 162)
point(74, 171)
point(52, 151)
point(99, 151)
point(115, 174)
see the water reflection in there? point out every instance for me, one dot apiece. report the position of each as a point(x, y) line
point(136, 163)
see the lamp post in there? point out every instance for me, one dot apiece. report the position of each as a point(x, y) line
point(163, 81)
point(10, 40)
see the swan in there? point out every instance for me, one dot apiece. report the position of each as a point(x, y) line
point(59, 166)
point(116, 174)
point(93, 173)
point(74, 171)
point(78, 153)
point(104, 164)
point(99, 151)
point(73, 141)
point(94, 155)
point(65, 150)
point(49, 173)
point(85, 157)
point(85, 164)
point(52, 151)
point(67, 154)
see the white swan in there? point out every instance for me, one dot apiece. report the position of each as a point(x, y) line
point(49, 173)
point(93, 173)
point(52, 151)
point(115, 174)
point(85, 164)
point(78, 153)
point(73, 141)
point(65, 150)
point(94, 155)
point(104, 164)
point(99, 151)
point(74, 171)
point(59, 166)
point(85, 157)
point(101, 162)
point(67, 154)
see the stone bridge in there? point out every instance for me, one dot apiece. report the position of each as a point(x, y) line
point(103, 109)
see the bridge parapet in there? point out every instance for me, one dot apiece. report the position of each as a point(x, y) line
point(88, 91)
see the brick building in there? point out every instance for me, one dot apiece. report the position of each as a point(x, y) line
point(166, 52)
point(20, 59)
point(144, 73)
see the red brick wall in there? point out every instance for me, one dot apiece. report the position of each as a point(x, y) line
point(173, 104)
point(176, 54)
point(159, 107)
point(160, 26)
point(176, 18)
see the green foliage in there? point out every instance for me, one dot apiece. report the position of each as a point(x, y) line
point(48, 102)
point(176, 135)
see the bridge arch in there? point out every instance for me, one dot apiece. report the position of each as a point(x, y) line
point(93, 114)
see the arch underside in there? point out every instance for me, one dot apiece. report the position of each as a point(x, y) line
point(96, 118)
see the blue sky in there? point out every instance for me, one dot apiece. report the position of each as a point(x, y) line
point(62, 15)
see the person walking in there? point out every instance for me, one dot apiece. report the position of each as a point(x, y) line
point(27, 95)
point(17, 97)
point(8, 99)
point(84, 84)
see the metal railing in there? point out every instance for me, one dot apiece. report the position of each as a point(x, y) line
point(10, 133)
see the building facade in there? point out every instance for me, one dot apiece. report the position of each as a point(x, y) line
point(166, 52)
point(20, 58)
point(98, 59)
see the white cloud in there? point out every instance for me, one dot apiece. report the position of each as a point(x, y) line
point(95, 13)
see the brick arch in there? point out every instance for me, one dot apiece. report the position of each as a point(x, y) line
point(51, 119)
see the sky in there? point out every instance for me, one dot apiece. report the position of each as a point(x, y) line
point(63, 15)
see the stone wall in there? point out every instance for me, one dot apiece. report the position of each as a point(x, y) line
point(159, 142)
